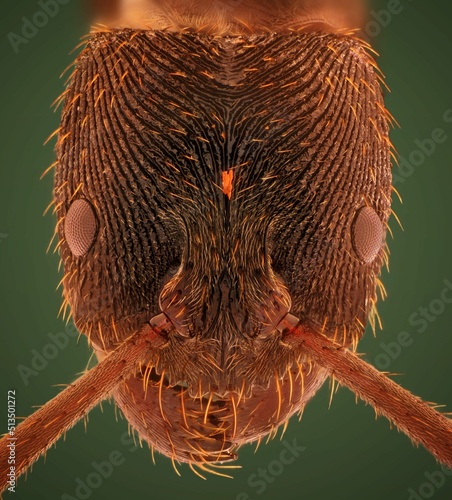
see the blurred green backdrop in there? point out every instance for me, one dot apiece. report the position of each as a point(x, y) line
point(349, 455)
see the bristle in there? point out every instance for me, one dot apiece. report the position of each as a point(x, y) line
point(52, 135)
point(192, 466)
point(55, 233)
point(48, 169)
point(278, 390)
point(301, 375)
point(209, 402)
point(101, 336)
point(176, 470)
point(115, 332)
point(289, 372)
point(284, 429)
point(234, 409)
point(184, 414)
point(394, 189)
point(209, 468)
point(146, 376)
point(162, 376)
point(397, 219)
point(333, 389)
point(57, 247)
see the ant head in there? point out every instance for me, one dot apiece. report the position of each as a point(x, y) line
point(222, 182)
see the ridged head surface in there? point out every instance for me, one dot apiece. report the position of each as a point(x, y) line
point(233, 179)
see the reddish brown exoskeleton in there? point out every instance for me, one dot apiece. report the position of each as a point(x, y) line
point(223, 189)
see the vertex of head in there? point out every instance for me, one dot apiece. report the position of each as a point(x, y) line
point(230, 17)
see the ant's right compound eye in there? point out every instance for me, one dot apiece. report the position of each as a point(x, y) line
point(368, 234)
point(80, 227)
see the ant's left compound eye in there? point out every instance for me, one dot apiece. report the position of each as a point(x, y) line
point(367, 234)
point(80, 227)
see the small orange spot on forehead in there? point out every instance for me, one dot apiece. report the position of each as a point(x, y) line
point(228, 179)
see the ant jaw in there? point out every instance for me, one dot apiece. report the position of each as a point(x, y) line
point(210, 425)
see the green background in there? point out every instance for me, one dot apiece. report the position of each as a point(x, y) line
point(349, 454)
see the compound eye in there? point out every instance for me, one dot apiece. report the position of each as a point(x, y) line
point(80, 227)
point(367, 234)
